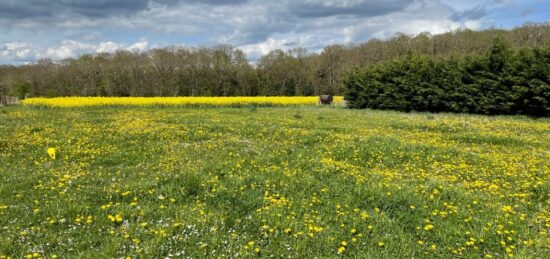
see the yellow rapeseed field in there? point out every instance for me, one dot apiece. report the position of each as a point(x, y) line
point(177, 101)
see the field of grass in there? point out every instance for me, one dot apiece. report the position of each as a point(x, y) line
point(291, 182)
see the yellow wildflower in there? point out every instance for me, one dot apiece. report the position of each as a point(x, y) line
point(51, 152)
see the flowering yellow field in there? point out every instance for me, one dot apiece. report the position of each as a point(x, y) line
point(177, 101)
point(290, 182)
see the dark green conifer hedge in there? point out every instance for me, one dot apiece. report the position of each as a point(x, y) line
point(501, 81)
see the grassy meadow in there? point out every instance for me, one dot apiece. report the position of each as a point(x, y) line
point(300, 181)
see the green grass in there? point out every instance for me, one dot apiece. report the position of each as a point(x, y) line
point(295, 181)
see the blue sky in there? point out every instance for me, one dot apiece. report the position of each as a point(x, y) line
point(58, 29)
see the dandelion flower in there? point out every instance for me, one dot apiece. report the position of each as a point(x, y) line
point(116, 218)
point(51, 152)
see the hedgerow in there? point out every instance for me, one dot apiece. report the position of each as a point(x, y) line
point(501, 81)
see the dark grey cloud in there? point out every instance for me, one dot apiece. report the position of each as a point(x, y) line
point(13, 9)
point(101, 8)
point(214, 2)
point(24, 9)
point(365, 8)
point(476, 13)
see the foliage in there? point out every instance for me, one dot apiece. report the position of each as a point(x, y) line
point(502, 81)
point(225, 182)
point(22, 89)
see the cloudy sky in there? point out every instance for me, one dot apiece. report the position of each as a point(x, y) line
point(57, 29)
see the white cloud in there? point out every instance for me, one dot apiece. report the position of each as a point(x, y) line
point(22, 52)
point(67, 49)
point(108, 47)
point(138, 46)
point(16, 51)
point(286, 42)
point(262, 48)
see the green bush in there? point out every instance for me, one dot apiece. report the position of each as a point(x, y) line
point(502, 81)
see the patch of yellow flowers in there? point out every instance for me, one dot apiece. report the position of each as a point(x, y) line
point(177, 101)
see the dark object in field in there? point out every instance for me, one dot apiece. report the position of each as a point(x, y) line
point(325, 99)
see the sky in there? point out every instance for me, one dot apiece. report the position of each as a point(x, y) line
point(57, 29)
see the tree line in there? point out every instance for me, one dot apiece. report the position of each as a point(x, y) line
point(226, 71)
point(501, 81)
